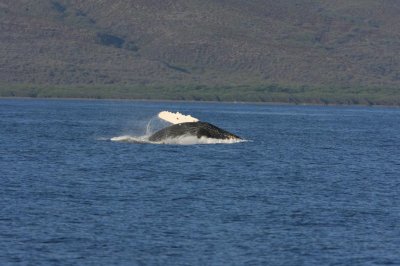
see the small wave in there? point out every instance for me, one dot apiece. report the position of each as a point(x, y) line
point(131, 139)
point(182, 140)
point(102, 138)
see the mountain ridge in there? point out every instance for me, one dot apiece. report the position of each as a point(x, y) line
point(211, 43)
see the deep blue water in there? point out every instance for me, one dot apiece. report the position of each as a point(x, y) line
point(312, 186)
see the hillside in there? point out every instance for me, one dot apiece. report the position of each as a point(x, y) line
point(311, 43)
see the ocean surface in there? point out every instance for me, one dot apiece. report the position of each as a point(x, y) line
point(311, 185)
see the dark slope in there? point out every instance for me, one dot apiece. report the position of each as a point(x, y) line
point(291, 43)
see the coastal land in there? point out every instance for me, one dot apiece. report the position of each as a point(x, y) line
point(262, 94)
point(317, 52)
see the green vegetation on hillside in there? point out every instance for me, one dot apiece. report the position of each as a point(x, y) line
point(318, 51)
point(269, 93)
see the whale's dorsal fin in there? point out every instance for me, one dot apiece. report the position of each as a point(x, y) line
point(176, 118)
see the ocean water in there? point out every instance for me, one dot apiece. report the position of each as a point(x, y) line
point(311, 185)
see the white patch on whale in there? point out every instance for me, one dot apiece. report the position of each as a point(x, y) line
point(176, 118)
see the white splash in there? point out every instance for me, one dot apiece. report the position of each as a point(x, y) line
point(181, 140)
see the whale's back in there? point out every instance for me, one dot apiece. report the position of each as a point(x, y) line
point(198, 129)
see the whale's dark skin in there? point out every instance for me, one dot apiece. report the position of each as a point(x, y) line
point(198, 129)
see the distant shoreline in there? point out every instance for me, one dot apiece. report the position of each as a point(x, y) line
point(262, 94)
point(198, 101)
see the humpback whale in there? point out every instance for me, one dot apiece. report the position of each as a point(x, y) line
point(189, 126)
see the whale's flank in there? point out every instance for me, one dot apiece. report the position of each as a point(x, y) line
point(198, 129)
